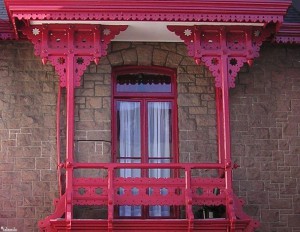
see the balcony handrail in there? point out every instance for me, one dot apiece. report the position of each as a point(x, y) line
point(185, 166)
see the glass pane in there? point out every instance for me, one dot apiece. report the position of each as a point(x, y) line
point(162, 172)
point(129, 172)
point(129, 131)
point(159, 147)
point(144, 83)
point(130, 211)
point(159, 129)
point(129, 140)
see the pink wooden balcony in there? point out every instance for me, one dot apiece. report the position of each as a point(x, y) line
point(186, 191)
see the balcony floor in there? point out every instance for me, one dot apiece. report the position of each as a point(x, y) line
point(216, 225)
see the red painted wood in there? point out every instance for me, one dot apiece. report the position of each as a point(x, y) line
point(164, 10)
point(180, 225)
point(144, 98)
point(219, 117)
point(70, 132)
point(156, 10)
point(53, 43)
point(288, 33)
point(207, 44)
point(182, 191)
point(6, 30)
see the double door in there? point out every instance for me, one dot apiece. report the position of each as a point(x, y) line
point(144, 135)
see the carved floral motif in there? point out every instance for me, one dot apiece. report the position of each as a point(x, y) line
point(75, 45)
point(209, 45)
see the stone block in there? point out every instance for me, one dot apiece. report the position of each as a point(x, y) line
point(293, 220)
point(26, 212)
point(103, 68)
point(280, 203)
point(38, 186)
point(290, 129)
point(291, 160)
point(11, 177)
point(86, 114)
point(102, 90)
point(168, 47)
point(30, 175)
point(106, 103)
point(159, 57)
point(99, 135)
point(275, 133)
point(93, 102)
point(270, 216)
point(83, 93)
point(197, 110)
point(205, 120)
point(6, 166)
point(144, 54)
point(188, 100)
point(8, 213)
point(130, 57)
point(173, 60)
point(261, 133)
point(25, 163)
point(120, 46)
point(48, 175)
point(9, 205)
point(102, 115)
point(115, 59)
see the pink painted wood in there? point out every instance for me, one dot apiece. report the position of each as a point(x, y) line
point(186, 190)
point(153, 10)
point(58, 43)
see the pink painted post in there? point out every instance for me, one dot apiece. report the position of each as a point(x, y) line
point(110, 201)
point(219, 116)
point(69, 134)
point(225, 127)
point(188, 199)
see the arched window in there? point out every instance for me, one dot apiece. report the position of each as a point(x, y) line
point(144, 127)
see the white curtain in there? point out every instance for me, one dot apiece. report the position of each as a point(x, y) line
point(130, 147)
point(159, 147)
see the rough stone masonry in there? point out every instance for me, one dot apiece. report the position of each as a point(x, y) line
point(265, 119)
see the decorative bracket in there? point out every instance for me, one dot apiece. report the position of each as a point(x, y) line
point(82, 43)
point(210, 44)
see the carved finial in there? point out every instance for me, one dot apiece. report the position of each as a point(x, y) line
point(250, 62)
point(198, 61)
point(96, 60)
point(44, 60)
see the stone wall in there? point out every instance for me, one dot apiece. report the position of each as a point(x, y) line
point(265, 133)
point(27, 137)
point(265, 120)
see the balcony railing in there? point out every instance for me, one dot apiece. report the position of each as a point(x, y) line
point(186, 189)
point(182, 189)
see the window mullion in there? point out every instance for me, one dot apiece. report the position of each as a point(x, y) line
point(144, 127)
